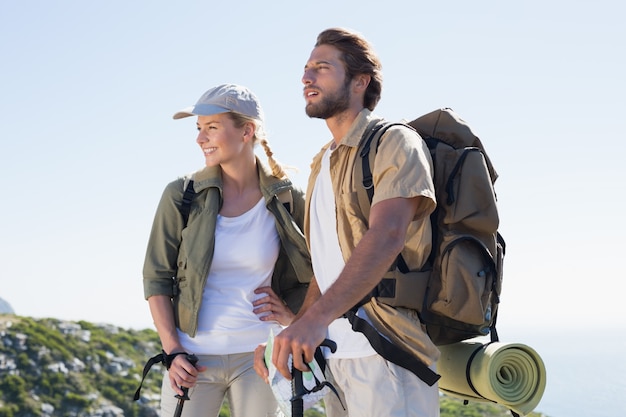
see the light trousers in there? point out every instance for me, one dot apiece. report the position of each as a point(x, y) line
point(373, 387)
point(230, 376)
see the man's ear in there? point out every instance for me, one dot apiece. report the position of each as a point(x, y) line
point(361, 81)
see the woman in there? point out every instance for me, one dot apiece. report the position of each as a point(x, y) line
point(239, 267)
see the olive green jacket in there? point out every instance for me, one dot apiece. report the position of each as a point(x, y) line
point(178, 259)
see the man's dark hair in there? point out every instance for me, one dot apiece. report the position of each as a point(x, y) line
point(359, 58)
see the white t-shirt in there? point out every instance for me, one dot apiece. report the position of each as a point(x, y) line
point(246, 249)
point(328, 262)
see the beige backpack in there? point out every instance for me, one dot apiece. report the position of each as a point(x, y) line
point(457, 292)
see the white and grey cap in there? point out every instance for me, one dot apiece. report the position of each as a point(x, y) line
point(222, 99)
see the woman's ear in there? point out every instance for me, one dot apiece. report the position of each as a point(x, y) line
point(248, 131)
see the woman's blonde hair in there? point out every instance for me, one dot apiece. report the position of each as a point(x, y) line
point(260, 137)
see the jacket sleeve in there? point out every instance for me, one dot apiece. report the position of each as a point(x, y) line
point(298, 207)
point(159, 267)
point(293, 268)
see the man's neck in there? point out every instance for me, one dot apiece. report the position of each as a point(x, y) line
point(340, 124)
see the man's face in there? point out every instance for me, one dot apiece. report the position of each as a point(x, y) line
point(326, 87)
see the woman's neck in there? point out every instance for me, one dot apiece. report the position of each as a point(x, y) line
point(241, 190)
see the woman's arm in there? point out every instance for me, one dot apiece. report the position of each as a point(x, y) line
point(181, 371)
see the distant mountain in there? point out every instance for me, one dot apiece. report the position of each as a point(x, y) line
point(5, 307)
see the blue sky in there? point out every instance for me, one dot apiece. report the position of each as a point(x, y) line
point(87, 140)
point(88, 143)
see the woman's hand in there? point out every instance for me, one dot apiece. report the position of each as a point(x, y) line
point(183, 373)
point(271, 308)
point(259, 362)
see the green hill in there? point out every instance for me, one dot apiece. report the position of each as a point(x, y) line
point(50, 367)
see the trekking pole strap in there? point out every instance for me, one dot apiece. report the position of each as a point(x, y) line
point(163, 358)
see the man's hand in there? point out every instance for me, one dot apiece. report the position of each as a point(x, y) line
point(300, 340)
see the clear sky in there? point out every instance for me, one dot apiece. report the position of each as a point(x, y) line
point(87, 140)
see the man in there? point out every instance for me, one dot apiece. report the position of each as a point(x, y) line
point(350, 253)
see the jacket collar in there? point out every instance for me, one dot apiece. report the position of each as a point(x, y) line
point(211, 177)
point(207, 177)
point(354, 135)
point(270, 185)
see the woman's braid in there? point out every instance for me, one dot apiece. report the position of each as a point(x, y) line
point(277, 169)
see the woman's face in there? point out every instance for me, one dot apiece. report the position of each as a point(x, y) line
point(220, 140)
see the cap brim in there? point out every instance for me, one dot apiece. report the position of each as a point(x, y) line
point(200, 110)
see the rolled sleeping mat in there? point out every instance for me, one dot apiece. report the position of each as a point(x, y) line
point(509, 374)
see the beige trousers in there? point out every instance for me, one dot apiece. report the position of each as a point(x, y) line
point(374, 387)
point(230, 376)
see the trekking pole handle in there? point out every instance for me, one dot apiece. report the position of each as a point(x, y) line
point(193, 359)
point(329, 344)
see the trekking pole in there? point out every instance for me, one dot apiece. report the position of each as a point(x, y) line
point(298, 390)
point(297, 404)
point(193, 359)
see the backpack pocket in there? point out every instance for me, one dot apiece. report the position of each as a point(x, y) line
point(463, 289)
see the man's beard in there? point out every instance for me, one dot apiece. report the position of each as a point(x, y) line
point(330, 105)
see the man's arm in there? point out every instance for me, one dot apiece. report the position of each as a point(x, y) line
point(371, 258)
point(312, 295)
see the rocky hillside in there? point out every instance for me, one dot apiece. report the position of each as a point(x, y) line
point(56, 368)
point(50, 367)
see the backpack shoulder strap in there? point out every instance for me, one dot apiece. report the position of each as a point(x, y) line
point(365, 194)
point(372, 134)
point(188, 194)
point(286, 198)
point(391, 352)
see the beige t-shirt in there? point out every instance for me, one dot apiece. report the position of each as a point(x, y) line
point(402, 168)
